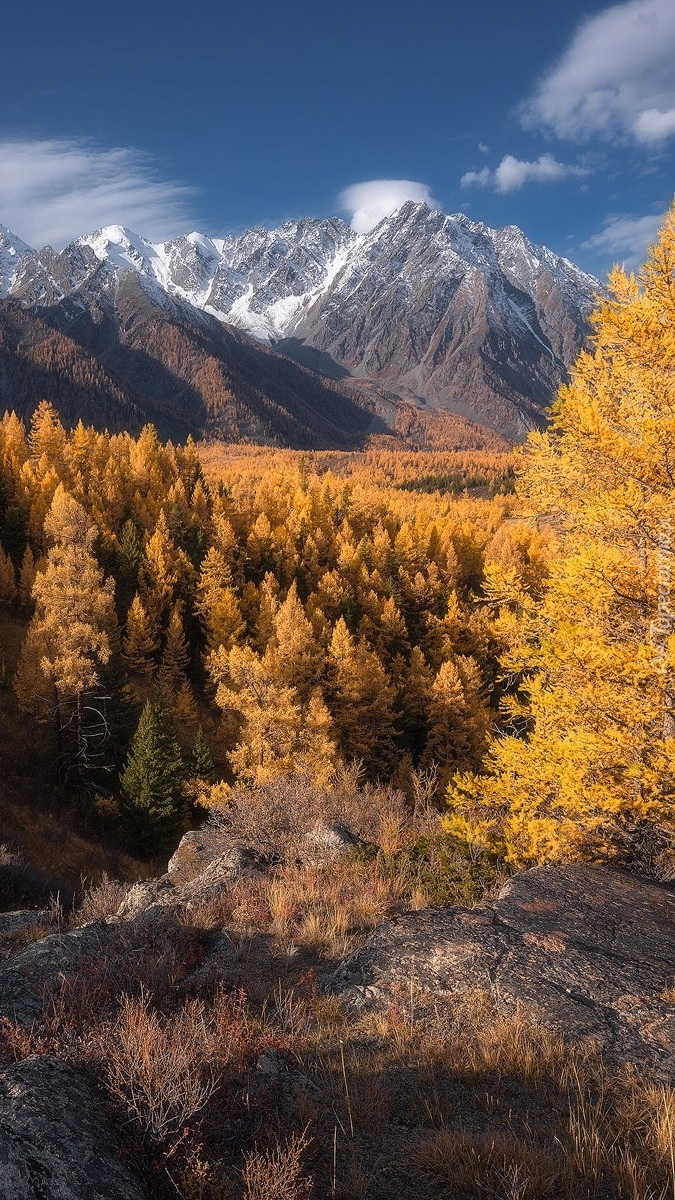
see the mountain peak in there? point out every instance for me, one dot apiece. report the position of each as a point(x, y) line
point(12, 253)
point(440, 308)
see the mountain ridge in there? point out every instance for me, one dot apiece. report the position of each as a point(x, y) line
point(437, 311)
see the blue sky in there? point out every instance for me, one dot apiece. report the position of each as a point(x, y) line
point(169, 116)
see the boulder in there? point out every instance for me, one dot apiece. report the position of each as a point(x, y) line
point(26, 978)
point(149, 895)
point(326, 842)
point(170, 893)
point(56, 1141)
point(589, 950)
point(196, 850)
point(17, 926)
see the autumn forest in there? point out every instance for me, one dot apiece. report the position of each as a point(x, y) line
point(195, 619)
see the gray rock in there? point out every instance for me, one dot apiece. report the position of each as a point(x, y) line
point(169, 893)
point(14, 924)
point(196, 851)
point(56, 1142)
point(589, 950)
point(219, 875)
point(326, 842)
point(26, 978)
point(148, 894)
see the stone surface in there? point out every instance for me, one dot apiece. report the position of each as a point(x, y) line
point(197, 850)
point(220, 870)
point(325, 843)
point(589, 950)
point(25, 978)
point(56, 1141)
point(16, 925)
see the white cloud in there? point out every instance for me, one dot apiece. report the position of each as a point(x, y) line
point(372, 201)
point(654, 126)
point(483, 148)
point(52, 191)
point(482, 178)
point(625, 238)
point(615, 78)
point(512, 173)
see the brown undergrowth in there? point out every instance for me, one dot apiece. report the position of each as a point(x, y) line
point(264, 1087)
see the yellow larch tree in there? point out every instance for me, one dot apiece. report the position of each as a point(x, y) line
point(586, 765)
point(278, 733)
point(293, 655)
point(73, 631)
point(140, 643)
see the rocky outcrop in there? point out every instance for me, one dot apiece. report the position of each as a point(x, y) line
point(324, 843)
point(590, 952)
point(197, 849)
point(56, 1141)
point(20, 926)
point(26, 978)
point(217, 870)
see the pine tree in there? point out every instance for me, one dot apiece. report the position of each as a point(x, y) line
point(151, 781)
point(201, 764)
point(588, 765)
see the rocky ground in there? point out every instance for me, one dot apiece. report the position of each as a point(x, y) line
point(447, 1036)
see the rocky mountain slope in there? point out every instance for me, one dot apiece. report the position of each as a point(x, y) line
point(431, 310)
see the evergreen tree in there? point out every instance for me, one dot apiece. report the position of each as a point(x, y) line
point(151, 780)
point(201, 764)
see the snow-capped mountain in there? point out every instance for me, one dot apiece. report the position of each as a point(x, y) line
point(12, 254)
point(440, 310)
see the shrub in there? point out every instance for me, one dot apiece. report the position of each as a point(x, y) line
point(276, 1174)
point(159, 1067)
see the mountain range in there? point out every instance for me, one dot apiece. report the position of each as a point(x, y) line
point(309, 334)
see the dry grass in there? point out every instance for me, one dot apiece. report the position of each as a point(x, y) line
point(99, 900)
point(277, 1173)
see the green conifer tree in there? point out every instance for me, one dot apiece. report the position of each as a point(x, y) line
point(151, 780)
point(201, 764)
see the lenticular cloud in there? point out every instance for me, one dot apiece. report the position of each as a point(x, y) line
point(370, 202)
